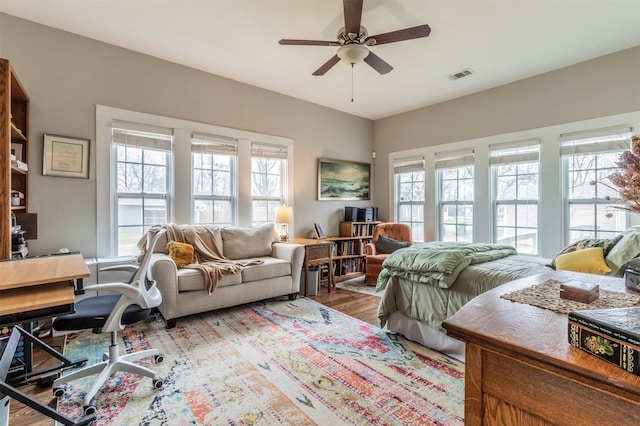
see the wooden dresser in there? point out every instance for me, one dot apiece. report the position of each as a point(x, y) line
point(521, 370)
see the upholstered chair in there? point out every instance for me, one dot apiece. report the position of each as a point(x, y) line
point(398, 232)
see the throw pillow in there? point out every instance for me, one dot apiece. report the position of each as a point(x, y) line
point(626, 249)
point(389, 245)
point(606, 244)
point(182, 254)
point(248, 242)
point(589, 260)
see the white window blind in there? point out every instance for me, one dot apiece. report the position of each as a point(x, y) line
point(408, 164)
point(514, 153)
point(211, 144)
point(448, 160)
point(596, 141)
point(264, 150)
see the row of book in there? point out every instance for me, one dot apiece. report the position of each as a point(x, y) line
point(347, 266)
point(349, 247)
point(612, 335)
point(362, 229)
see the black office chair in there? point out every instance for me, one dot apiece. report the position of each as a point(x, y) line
point(110, 313)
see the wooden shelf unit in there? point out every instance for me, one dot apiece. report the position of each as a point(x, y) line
point(14, 130)
point(348, 249)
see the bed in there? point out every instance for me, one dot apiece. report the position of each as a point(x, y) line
point(428, 282)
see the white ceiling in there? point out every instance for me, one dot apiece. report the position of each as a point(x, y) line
point(500, 40)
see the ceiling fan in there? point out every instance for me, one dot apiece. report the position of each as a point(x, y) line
point(354, 41)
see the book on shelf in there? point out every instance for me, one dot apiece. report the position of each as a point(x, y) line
point(612, 335)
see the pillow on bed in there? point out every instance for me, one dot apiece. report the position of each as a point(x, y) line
point(605, 244)
point(626, 249)
point(181, 253)
point(389, 245)
point(589, 260)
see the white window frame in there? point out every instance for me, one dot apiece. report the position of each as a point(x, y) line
point(410, 166)
point(180, 209)
point(214, 145)
point(453, 161)
point(594, 143)
point(269, 154)
point(516, 153)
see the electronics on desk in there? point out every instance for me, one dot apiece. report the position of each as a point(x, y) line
point(19, 248)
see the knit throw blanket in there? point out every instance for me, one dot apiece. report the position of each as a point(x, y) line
point(209, 259)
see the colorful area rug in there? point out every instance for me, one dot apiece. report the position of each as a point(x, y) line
point(272, 363)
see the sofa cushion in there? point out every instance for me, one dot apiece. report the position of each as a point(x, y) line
point(192, 280)
point(248, 242)
point(271, 267)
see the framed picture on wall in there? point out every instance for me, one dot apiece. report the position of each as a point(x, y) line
point(65, 156)
point(343, 180)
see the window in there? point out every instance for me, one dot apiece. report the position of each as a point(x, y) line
point(588, 158)
point(142, 177)
point(514, 170)
point(410, 194)
point(268, 177)
point(455, 196)
point(214, 161)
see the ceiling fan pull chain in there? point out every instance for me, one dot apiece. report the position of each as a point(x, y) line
point(352, 82)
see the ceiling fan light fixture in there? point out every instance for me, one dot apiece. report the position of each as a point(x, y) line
point(353, 53)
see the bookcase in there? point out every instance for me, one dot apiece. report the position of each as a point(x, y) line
point(14, 135)
point(348, 249)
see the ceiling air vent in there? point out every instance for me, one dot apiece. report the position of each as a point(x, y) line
point(460, 74)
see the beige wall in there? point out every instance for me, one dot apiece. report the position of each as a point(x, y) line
point(597, 88)
point(67, 75)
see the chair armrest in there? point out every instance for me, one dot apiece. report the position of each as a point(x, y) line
point(370, 249)
point(126, 289)
point(131, 268)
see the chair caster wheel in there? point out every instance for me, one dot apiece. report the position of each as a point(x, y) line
point(158, 383)
point(58, 391)
point(105, 357)
point(89, 409)
point(158, 358)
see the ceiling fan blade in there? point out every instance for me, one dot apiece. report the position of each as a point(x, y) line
point(327, 66)
point(308, 42)
point(401, 35)
point(352, 16)
point(377, 63)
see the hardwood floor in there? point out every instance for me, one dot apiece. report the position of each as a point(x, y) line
point(357, 305)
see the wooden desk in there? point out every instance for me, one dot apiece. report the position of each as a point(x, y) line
point(39, 287)
point(31, 289)
point(316, 253)
point(520, 368)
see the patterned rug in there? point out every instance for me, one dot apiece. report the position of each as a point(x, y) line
point(272, 363)
point(358, 285)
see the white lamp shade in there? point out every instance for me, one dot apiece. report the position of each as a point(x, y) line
point(284, 214)
point(353, 53)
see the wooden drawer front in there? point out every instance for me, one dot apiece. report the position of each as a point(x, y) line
point(549, 396)
point(319, 252)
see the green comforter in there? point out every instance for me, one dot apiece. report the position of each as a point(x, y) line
point(438, 263)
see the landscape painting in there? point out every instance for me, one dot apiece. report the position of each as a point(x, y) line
point(343, 180)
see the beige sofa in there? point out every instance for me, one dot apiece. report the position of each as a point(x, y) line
point(183, 289)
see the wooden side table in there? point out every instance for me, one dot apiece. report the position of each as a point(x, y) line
point(316, 253)
point(521, 369)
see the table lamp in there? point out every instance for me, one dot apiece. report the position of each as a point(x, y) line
point(284, 216)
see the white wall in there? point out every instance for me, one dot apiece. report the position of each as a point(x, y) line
point(67, 76)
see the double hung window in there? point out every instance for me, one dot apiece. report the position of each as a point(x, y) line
point(214, 162)
point(268, 180)
point(142, 176)
point(515, 177)
point(588, 158)
point(409, 177)
point(455, 196)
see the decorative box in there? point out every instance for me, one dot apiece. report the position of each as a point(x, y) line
point(579, 291)
point(632, 274)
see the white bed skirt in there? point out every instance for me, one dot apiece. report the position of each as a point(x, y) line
point(419, 332)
